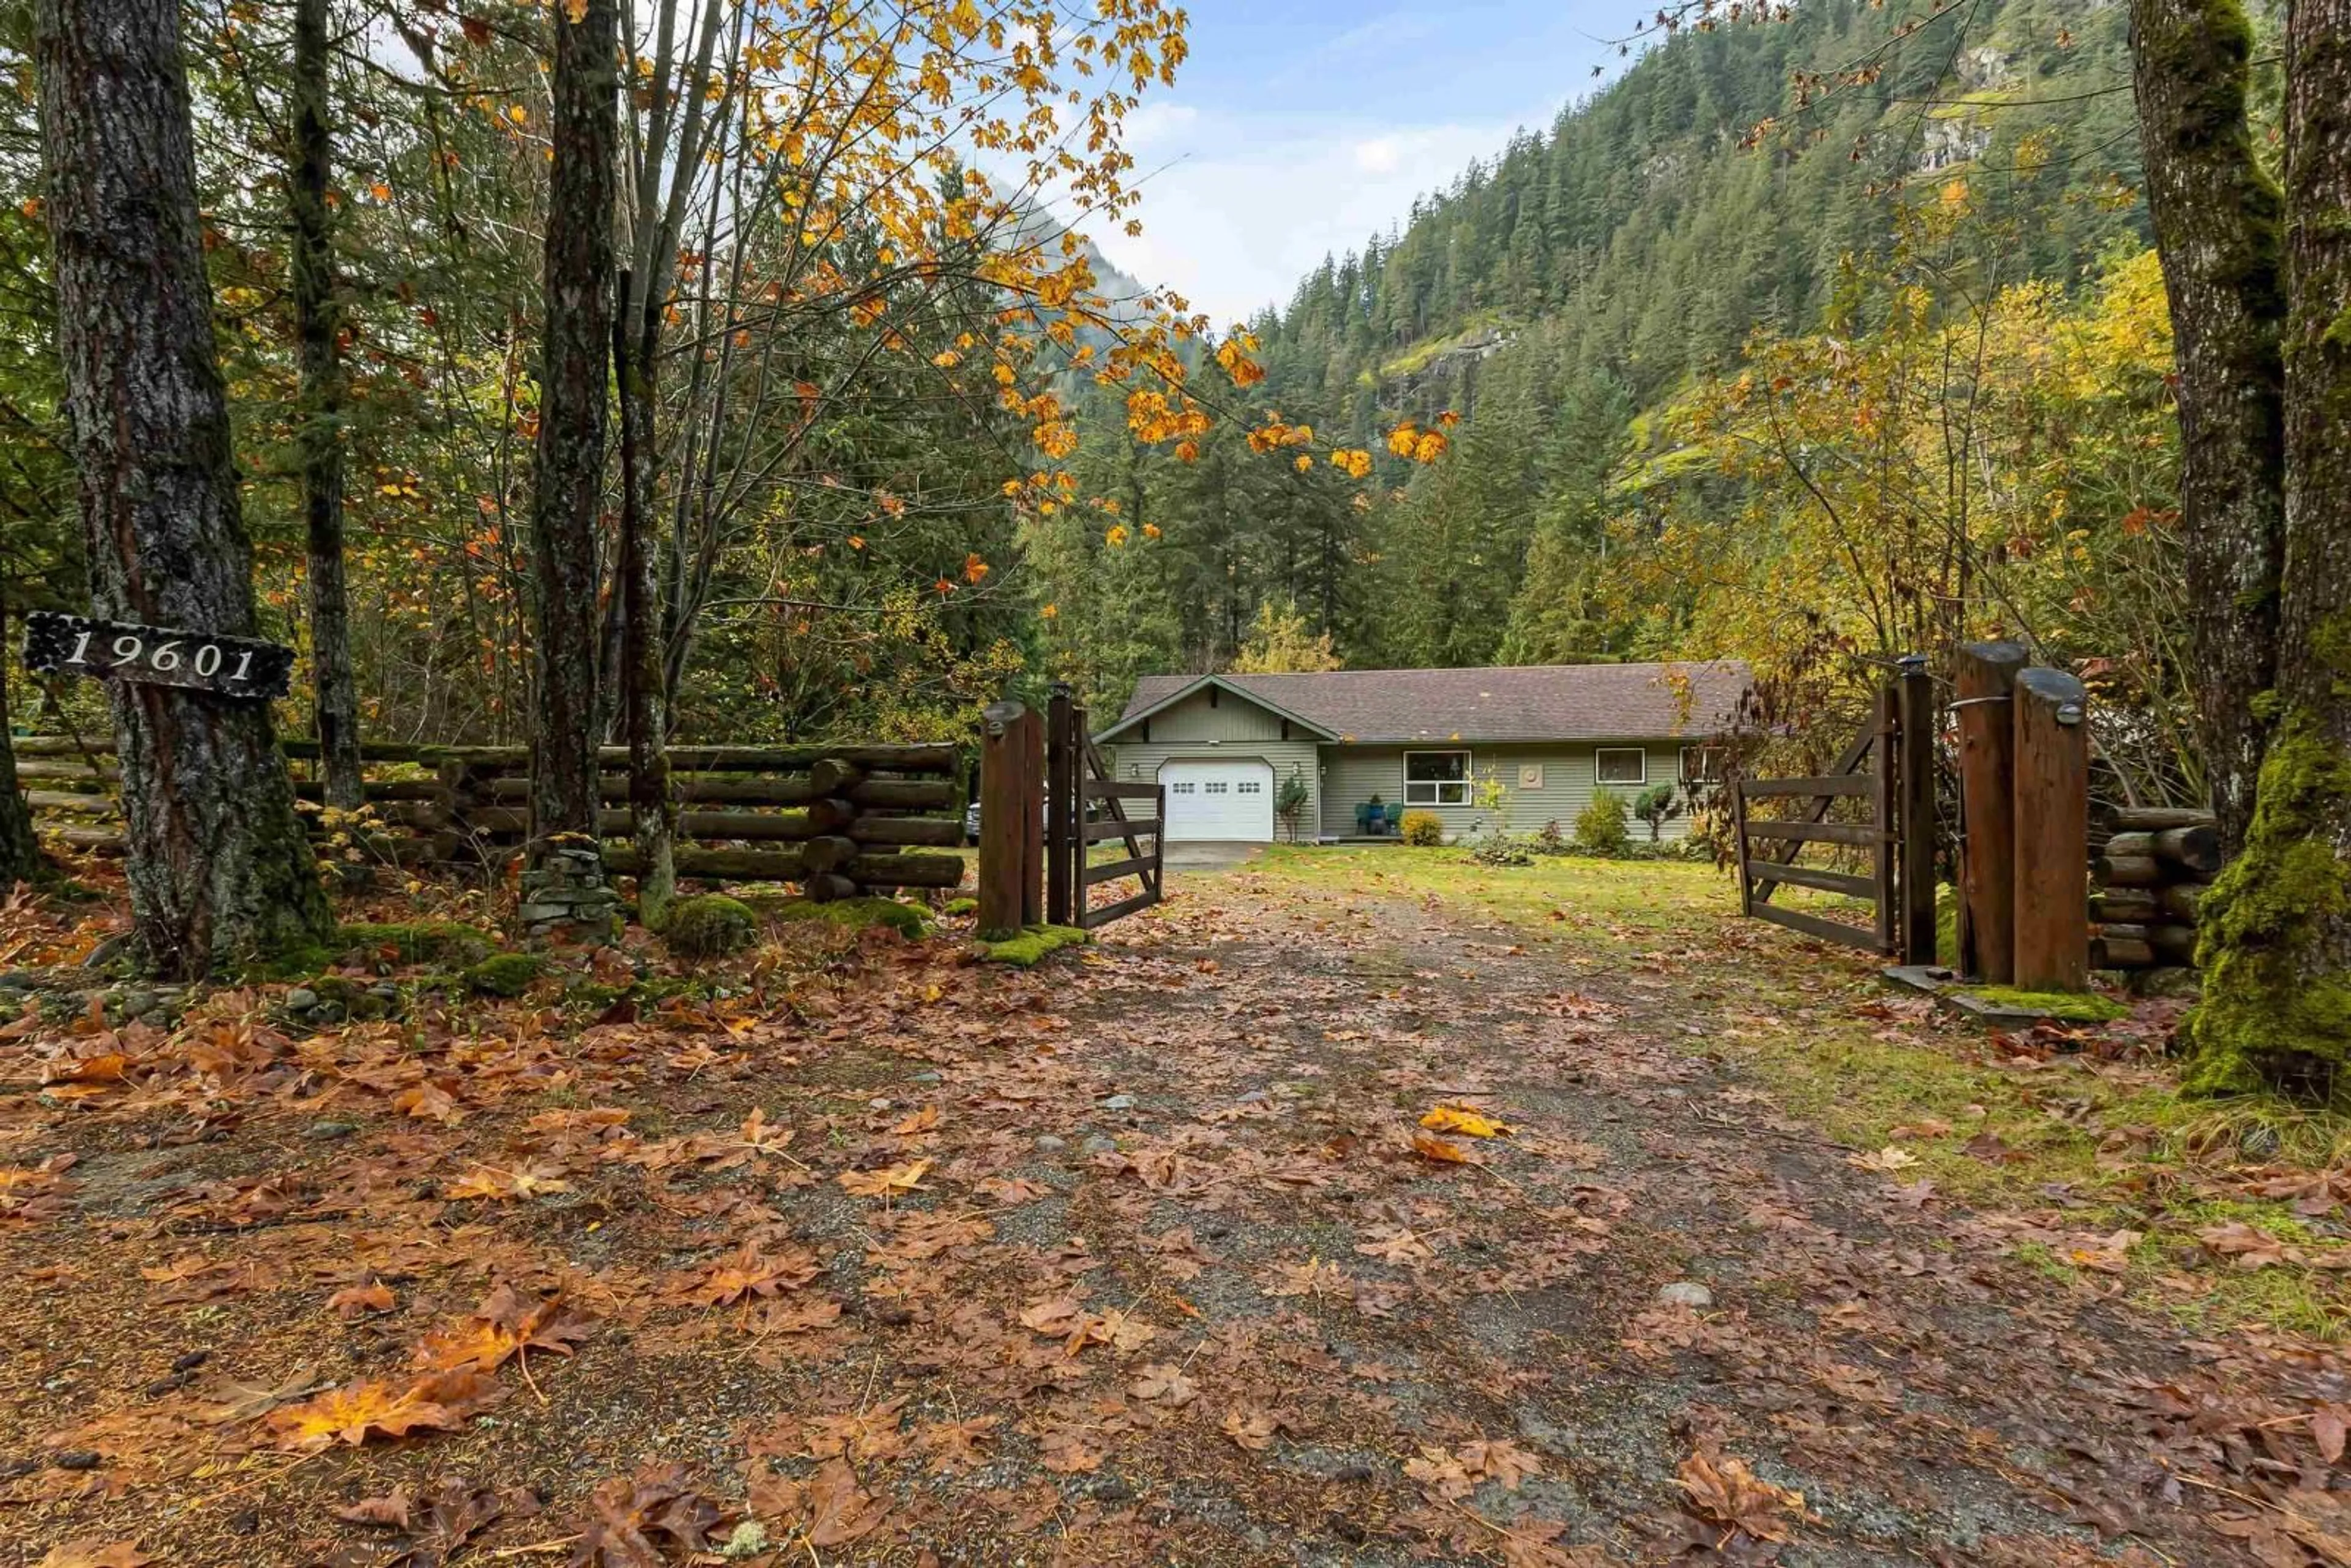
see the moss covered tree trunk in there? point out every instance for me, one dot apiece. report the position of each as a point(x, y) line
point(219, 867)
point(2258, 278)
point(2218, 223)
point(574, 386)
point(2277, 943)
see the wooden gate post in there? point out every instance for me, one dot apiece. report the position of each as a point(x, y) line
point(2052, 831)
point(1032, 741)
point(1886, 787)
point(1918, 705)
point(1007, 819)
point(1061, 774)
point(1986, 684)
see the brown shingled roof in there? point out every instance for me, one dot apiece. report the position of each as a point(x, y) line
point(1529, 702)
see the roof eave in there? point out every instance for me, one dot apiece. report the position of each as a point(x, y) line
point(1180, 692)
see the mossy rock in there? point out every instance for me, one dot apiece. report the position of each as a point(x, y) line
point(710, 926)
point(507, 974)
point(1032, 945)
point(2065, 1007)
point(960, 906)
point(855, 913)
point(418, 942)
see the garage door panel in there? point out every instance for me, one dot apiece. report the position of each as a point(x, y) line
point(1225, 799)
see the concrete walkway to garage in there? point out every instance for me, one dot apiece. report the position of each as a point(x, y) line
point(1210, 854)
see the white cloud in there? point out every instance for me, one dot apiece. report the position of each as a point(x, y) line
point(1236, 208)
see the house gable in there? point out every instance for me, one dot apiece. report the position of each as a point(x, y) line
point(1209, 711)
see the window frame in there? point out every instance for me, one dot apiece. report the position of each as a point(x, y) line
point(1468, 776)
point(1702, 778)
point(1600, 781)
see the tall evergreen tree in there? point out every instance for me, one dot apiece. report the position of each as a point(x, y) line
point(219, 867)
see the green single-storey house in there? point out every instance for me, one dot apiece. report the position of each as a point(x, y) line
point(1436, 740)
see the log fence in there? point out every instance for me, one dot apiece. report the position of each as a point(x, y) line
point(839, 820)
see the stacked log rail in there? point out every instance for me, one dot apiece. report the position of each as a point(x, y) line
point(2151, 867)
point(840, 820)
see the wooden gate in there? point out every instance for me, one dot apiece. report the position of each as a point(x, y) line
point(1046, 799)
point(1887, 776)
point(1084, 805)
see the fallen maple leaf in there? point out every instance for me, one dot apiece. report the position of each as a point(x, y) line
point(1889, 1159)
point(243, 1401)
point(1396, 1245)
point(1252, 1429)
point(885, 1183)
point(1461, 1119)
point(95, 1553)
point(750, 1272)
point(1498, 1459)
point(1066, 1453)
point(626, 1514)
point(502, 1186)
point(829, 1507)
point(1437, 1149)
point(1164, 1383)
point(1723, 1492)
point(923, 1121)
point(357, 1411)
point(2244, 1246)
point(359, 1300)
point(503, 1326)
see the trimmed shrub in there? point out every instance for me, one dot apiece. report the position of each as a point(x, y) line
point(1549, 839)
point(1500, 849)
point(1600, 827)
point(1653, 806)
point(710, 926)
point(1425, 830)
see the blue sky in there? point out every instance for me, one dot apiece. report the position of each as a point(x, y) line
point(1297, 129)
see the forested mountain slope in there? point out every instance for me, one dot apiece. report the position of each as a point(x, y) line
point(1562, 295)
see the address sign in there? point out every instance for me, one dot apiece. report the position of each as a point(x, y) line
point(157, 656)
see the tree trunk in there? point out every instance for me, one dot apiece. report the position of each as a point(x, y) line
point(219, 867)
point(318, 325)
point(2217, 225)
point(569, 491)
point(2277, 925)
point(20, 853)
point(651, 816)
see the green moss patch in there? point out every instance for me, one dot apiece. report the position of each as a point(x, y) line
point(1032, 945)
point(856, 913)
point(417, 941)
point(959, 907)
point(2065, 1007)
point(710, 926)
point(507, 974)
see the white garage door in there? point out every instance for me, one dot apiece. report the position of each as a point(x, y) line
point(1219, 800)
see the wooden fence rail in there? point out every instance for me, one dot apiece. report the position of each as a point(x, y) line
point(840, 820)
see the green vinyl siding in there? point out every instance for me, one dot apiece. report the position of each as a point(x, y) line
point(1230, 717)
point(1133, 760)
point(1353, 774)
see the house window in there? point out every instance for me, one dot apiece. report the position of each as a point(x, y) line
point(1215, 788)
point(1436, 777)
point(1621, 765)
point(1702, 764)
point(1249, 787)
point(1181, 788)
